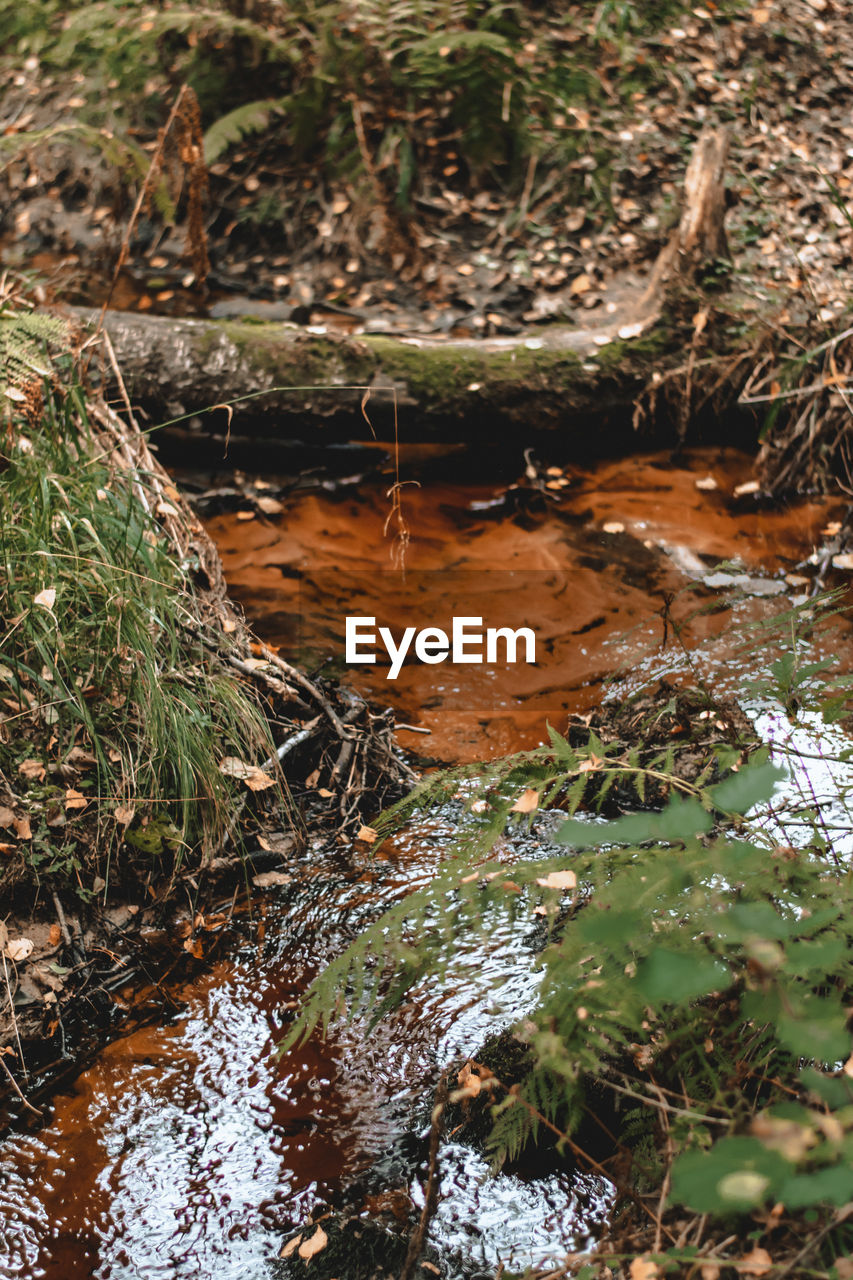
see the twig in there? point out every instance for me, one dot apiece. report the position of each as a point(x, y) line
point(63, 923)
point(13, 1082)
point(418, 1236)
point(290, 744)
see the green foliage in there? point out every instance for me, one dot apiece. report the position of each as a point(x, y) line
point(23, 337)
point(498, 77)
point(678, 957)
point(102, 644)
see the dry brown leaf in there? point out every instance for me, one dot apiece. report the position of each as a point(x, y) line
point(643, 1268)
point(55, 935)
point(559, 880)
point(756, 1263)
point(23, 830)
point(166, 509)
point(291, 1247)
point(18, 949)
point(844, 1268)
point(265, 844)
point(7, 816)
point(74, 800)
point(195, 948)
point(46, 598)
point(270, 879)
point(580, 284)
point(526, 802)
point(228, 625)
point(32, 769)
point(124, 814)
point(313, 1245)
point(254, 778)
point(368, 834)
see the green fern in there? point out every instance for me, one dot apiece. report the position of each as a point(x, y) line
point(24, 335)
point(235, 125)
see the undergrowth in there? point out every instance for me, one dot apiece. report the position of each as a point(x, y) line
point(372, 92)
point(114, 715)
point(689, 966)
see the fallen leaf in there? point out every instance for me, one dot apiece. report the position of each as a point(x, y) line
point(74, 800)
point(831, 529)
point(254, 778)
point(7, 817)
point(526, 802)
point(644, 1269)
point(166, 509)
point(313, 1245)
point(55, 936)
point(32, 769)
point(269, 879)
point(368, 834)
point(559, 880)
point(580, 284)
point(46, 598)
point(18, 949)
point(195, 948)
point(270, 506)
point(756, 1263)
point(699, 321)
point(23, 830)
point(843, 1268)
point(325, 793)
point(124, 813)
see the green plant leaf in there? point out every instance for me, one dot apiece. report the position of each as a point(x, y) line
point(669, 977)
point(736, 1175)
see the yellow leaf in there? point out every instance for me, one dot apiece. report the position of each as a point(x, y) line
point(313, 1245)
point(526, 802)
point(559, 880)
point(46, 598)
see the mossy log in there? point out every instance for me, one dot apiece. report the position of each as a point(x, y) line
point(284, 381)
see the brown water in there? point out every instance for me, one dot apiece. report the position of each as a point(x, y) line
point(191, 1149)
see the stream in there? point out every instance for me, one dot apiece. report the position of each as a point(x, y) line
point(193, 1148)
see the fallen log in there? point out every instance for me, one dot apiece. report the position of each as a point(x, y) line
point(282, 378)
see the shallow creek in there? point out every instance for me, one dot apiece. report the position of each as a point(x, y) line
point(192, 1148)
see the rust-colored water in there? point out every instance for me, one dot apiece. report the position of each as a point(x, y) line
point(191, 1149)
point(554, 567)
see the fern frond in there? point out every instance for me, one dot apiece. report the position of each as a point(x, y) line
point(23, 338)
point(252, 117)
